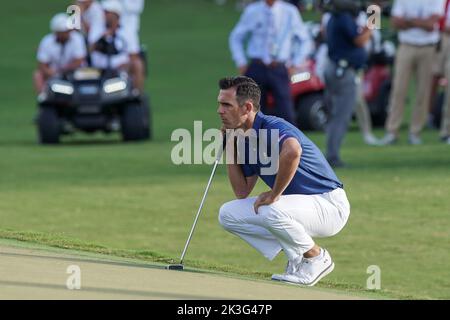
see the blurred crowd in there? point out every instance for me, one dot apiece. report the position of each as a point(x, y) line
point(272, 43)
point(108, 38)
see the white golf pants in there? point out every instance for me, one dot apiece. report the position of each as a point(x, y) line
point(288, 224)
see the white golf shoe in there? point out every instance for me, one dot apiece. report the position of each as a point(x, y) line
point(291, 269)
point(309, 271)
point(371, 140)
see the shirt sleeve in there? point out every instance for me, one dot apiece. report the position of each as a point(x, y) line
point(302, 42)
point(133, 6)
point(133, 46)
point(80, 51)
point(284, 135)
point(237, 37)
point(438, 8)
point(43, 53)
point(247, 170)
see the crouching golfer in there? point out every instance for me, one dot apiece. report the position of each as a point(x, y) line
point(306, 199)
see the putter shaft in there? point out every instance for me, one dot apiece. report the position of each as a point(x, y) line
point(201, 206)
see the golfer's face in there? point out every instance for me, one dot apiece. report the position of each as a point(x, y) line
point(230, 113)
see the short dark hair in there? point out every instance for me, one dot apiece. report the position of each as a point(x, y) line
point(246, 89)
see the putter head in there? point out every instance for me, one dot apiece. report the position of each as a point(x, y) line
point(178, 267)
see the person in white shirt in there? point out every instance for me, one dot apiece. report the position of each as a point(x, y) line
point(60, 52)
point(417, 23)
point(278, 43)
point(118, 48)
point(131, 16)
point(92, 20)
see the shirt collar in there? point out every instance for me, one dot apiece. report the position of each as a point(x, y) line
point(259, 118)
point(275, 4)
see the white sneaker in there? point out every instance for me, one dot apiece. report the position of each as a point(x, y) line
point(371, 140)
point(309, 271)
point(389, 138)
point(414, 139)
point(314, 269)
point(291, 268)
point(448, 140)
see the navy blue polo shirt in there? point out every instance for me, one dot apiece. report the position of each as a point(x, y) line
point(314, 175)
point(341, 33)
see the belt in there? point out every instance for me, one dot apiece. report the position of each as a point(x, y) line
point(273, 64)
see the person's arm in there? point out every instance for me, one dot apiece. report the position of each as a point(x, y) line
point(303, 43)
point(237, 37)
point(97, 27)
point(133, 6)
point(46, 70)
point(363, 37)
point(242, 186)
point(290, 154)
point(73, 65)
point(79, 52)
point(427, 24)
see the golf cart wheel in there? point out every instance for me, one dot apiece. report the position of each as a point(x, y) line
point(378, 110)
point(134, 122)
point(312, 113)
point(49, 126)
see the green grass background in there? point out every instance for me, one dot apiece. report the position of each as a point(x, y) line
point(131, 198)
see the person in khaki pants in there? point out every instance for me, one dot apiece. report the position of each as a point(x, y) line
point(417, 22)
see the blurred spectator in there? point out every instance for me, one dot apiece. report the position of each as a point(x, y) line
point(346, 41)
point(445, 125)
point(117, 49)
point(92, 20)
point(278, 43)
point(439, 64)
point(59, 52)
point(417, 22)
point(362, 109)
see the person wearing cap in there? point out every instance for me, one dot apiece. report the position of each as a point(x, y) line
point(92, 20)
point(278, 43)
point(60, 52)
point(118, 49)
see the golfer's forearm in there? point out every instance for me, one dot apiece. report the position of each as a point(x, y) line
point(238, 181)
point(288, 164)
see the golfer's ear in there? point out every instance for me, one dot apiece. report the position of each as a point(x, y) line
point(248, 106)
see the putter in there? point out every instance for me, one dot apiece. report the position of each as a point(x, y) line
point(180, 266)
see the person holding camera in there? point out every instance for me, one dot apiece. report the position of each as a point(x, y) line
point(346, 53)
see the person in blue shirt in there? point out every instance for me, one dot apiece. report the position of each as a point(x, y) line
point(347, 56)
point(305, 199)
point(277, 44)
